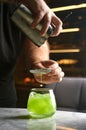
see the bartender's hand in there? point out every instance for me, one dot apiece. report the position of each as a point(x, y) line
point(55, 75)
point(43, 13)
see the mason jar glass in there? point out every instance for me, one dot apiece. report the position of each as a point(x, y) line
point(41, 103)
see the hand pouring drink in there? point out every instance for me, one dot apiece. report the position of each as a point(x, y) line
point(41, 102)
point(23, 18)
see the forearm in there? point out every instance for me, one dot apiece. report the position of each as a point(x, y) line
point(34, 54)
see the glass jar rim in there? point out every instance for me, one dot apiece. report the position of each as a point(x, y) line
point(41, 89)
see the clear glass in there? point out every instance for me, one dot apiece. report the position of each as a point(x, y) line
point(41, 103)
point(39, 73)
point(43, 124)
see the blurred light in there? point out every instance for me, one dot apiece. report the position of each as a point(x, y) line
point(27, 80)
point(80, 17)
point(71, 7)
point(70, 30)
point(65, 51)
point(67, 61)
point(65, 128)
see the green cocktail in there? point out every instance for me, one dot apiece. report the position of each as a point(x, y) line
point(41, 103)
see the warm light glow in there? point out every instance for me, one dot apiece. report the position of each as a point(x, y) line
point(65, 51)
point(67, 61)
point(69, 7)
point(70, 30)
point(65, 128)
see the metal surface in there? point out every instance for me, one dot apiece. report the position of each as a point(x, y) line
point(23, 18)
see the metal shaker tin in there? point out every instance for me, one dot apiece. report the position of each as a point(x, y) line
point(23, 18)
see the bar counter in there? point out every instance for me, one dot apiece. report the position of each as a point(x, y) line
point(18, 119)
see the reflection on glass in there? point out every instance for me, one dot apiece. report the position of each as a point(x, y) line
point(42, 124)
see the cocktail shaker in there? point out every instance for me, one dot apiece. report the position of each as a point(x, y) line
point(23, 18)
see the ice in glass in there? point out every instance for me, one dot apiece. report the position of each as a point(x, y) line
point(41, 103)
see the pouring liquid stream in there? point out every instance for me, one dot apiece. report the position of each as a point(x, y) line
point(41, 85)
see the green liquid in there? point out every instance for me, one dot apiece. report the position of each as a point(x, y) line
point(41, 105)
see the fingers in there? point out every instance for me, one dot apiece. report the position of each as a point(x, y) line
point(37, 19)
point(47, 18)
point(46, 21)
point(44, 14)
point(55, 71)
point(55, 76)
point(46, 24)
point(49, 79)
point(57, 24)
